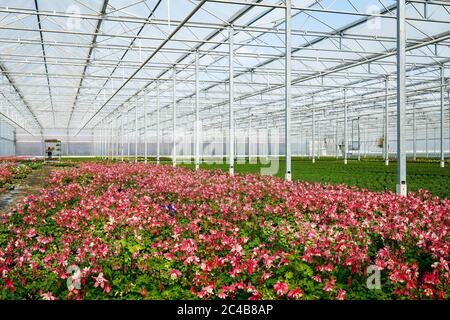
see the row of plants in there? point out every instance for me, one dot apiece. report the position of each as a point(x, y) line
point(430, 160)
point(136, 231)
point(33, 164)
point(372, 175)
point(10, 172)
point(64, 164)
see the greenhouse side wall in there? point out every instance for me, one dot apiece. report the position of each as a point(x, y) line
point(88, 144)
point(7, 137)
point(78, 146)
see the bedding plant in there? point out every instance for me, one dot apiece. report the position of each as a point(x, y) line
point(136, 231)
point(9, 171)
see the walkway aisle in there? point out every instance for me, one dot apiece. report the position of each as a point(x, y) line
point(30, 185)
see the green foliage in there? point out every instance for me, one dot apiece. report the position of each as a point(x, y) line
point(371, 173)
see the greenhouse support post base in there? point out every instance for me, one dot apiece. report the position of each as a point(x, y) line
point(402, 190)
point(442, 164)
point(386, 162)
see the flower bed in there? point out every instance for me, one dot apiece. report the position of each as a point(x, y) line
point(10, 171)
point(17, 158)
point(155, 232)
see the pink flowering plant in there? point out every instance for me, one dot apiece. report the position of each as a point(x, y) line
point(140, 231)
point(9, 171)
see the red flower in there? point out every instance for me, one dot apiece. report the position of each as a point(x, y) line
point(280, 288)
point(174, 274)
point(329, 286)
point(340, 295)
point(48, 296)
point(295, 294)
point(102, 282)
point(9, 285)
point(108, 215)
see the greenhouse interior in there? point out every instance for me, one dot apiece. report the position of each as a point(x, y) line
point(225, 149)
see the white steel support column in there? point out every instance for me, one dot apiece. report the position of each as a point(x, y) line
point(365, 141)
point(231, 100)
point(386, 121)
point(414, 133)
point(93, 152)
point(104, 139)
point(434, 142)
point(202, 137)
point(299, 137)
point(174, 119)
point(111, 144)
point(96, 149)
point(320, 140)
point(250, 138)
point(267, 136)
point(121, 136)
point(442, 162)
point(336, 139)
point(401, 99)
point(107, 139)
point(107, 129)
point(117, 138)
point(345, 127)
point(144, 105)
point(426, 137)
point(136, 132)
point(234, 135)
point(223, 141)
point(101, 140)
point(128, 135)
point(197, 120)
point(359, 138)
point(113, 136)
point(288, 80)
point(313, 132)
point(111, 139)
point(157, 122)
